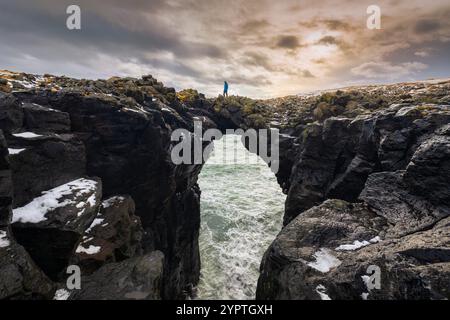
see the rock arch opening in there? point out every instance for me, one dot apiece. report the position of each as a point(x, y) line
point(242, 209)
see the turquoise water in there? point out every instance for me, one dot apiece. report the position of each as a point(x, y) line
point(241, 210)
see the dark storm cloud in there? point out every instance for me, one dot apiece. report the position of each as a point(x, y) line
point(30, 31)
point(426, 26)
point(327, 40)
point(330, 40)
point(288, 42)
point(100, 33)
point(337, 25)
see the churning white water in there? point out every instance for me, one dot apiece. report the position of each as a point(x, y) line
point(241, 212)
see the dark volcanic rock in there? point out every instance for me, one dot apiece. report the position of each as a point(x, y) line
point(5, 184)
point(44, 119)
point(128, 146)
point(396, 161)
point(428, 173)
point(325, 253)
point(115, 231)
point(325, 150)
point(20, 278)
point(11, 113)
point(385, 146)
point(387, 194)
point(60, 159)
point(335, 158)
point(133, 279)
point(50, 226)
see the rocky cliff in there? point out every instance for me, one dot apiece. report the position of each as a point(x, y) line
point(380, 159)
point(91, 181)
point(86, 179)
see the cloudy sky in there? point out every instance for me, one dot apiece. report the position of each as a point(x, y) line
point(263, 48)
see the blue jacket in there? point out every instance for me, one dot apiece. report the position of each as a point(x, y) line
point(225, 86)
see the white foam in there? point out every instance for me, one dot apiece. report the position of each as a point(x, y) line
point(237, 225)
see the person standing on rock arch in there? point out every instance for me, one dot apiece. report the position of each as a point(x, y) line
point(225, 89)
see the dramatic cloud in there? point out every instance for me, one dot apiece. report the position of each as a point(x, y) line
point(261, 47)
point(288, 42)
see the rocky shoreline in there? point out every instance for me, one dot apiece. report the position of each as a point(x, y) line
point(86, 179)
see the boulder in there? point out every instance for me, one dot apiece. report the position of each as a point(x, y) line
point(132, 279)
point(327, 252)
point(51, 225)
point(116, 231)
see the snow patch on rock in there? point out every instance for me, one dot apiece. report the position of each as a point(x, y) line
point(61, 294)
point(96, 222)
point(109, 202)
point(325, 261)
point(36, 210)
point(358, 244)
point(90, 250)
point(27, 135)
point(321, 290)
point(4, 242)
point(13, 151)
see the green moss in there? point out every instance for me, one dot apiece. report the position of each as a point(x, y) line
point(188, 95)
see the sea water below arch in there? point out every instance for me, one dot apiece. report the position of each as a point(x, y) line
point(242, 207)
